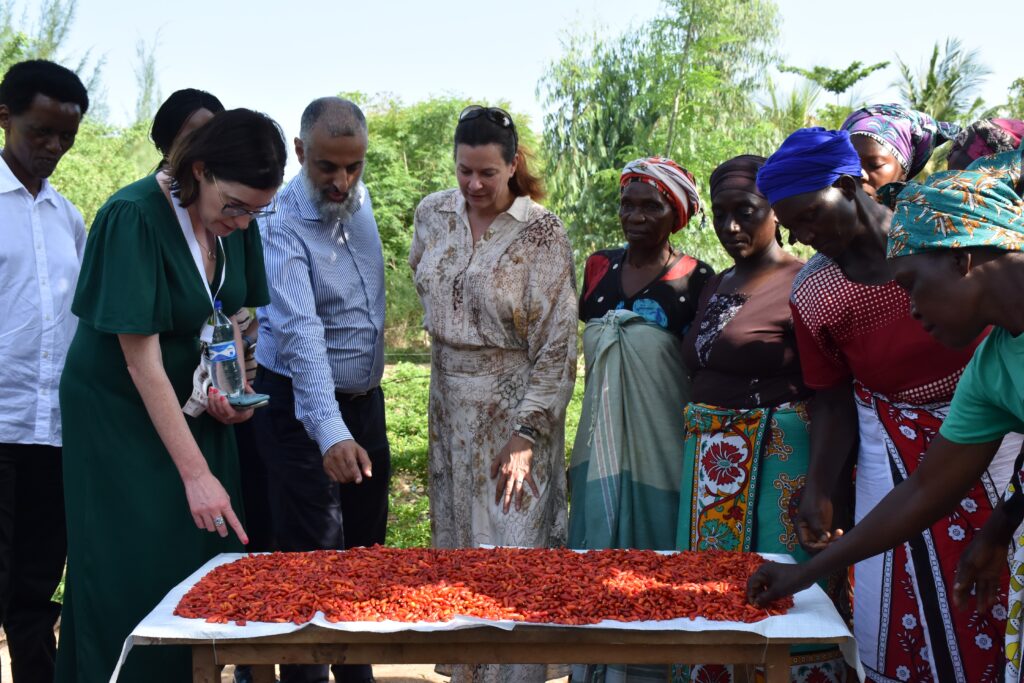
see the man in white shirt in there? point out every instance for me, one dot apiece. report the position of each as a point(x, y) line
point(42, 237)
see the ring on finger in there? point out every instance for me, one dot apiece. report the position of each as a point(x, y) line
point(218, 521)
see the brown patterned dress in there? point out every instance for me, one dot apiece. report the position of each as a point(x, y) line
point(501, 316)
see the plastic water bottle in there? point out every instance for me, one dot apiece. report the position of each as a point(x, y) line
point(222, 356)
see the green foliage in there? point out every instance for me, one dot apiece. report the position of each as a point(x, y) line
point(1014, 107)
point(406, 386)
point(104, 159)
point(947, 87)
point(836, 81)
point(678, 86)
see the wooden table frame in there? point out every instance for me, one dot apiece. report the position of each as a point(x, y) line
point(522, 645)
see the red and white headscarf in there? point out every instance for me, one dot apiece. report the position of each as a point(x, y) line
point(674, 182)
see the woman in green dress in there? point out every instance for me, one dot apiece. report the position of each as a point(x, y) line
point(149, 489)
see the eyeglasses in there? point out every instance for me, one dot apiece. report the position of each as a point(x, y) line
point(495, 115)
point(234, 210)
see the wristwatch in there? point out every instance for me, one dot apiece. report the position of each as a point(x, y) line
point(527, 433)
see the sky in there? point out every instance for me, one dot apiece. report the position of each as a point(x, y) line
point(277, 55)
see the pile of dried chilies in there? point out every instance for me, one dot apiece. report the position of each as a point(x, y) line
point(530, 585)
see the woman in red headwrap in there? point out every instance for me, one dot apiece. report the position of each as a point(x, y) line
point(637, 303)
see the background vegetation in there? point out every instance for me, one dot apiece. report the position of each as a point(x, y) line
point(693, 84)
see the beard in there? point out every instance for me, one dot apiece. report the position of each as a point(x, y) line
point(334, 212)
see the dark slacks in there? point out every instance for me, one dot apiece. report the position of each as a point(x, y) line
point(33, 548)
point(309, 511)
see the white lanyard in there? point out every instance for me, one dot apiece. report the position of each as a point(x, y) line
point(193, 244)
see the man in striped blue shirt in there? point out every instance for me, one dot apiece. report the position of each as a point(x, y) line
point(321, 353)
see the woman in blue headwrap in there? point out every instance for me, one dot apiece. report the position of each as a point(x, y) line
point(883, 387)
point(961, 278)
point(894, 142)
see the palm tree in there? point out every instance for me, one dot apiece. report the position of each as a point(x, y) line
point(947, 89)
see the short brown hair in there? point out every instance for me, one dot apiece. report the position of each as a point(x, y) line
point(238, 145)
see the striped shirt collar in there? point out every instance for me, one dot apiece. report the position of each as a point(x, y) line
point(297, 194)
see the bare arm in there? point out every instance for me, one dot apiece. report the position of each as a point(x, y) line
point(834, 439)
point(207, 499)
point(946, 473)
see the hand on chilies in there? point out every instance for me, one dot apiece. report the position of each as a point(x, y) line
point(512, 469)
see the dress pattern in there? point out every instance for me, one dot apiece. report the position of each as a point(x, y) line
point(501, 315)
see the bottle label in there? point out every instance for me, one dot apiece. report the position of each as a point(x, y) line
point(222, 351)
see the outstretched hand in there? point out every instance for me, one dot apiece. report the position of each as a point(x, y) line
point(773, 581)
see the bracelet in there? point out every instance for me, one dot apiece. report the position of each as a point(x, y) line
point(527, 433)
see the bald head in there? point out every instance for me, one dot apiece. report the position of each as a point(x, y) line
point(335, 116)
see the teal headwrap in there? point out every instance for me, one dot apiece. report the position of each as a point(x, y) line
point(954, 209)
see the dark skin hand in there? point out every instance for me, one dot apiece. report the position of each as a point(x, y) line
point(833, 421)
point(946, 473)
point(983, 565)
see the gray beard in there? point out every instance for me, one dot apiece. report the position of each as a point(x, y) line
point(332, 212)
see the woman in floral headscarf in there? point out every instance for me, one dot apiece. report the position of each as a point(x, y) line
point(637, 303)
point(895, 143)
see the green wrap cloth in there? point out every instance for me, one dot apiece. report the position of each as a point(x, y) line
point(627, 458)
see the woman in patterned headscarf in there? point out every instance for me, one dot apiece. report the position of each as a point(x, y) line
point(983, 138)
point(637, 302)
point(895, 143)
point(961, 278)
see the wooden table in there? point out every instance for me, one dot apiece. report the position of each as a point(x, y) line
point(522, 645)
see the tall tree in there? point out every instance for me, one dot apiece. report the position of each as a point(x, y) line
point(677, 86)
point(947, 87)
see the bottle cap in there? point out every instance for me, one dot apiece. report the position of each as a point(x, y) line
point(217, 305)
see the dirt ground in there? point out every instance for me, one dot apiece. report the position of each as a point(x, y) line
point(385, 673)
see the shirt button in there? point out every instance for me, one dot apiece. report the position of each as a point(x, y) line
point(46, 354)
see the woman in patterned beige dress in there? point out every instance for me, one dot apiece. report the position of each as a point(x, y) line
point(494, 272)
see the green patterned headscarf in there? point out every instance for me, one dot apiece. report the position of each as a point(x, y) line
point(954, 209)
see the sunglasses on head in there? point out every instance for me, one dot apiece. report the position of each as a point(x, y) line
point(495, 115)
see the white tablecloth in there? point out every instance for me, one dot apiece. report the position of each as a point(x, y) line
point(812, 616)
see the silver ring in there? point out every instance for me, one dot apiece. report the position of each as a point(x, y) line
point(520, 481)
point(218, 521)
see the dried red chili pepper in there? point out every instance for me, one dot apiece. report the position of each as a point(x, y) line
point(531, 585)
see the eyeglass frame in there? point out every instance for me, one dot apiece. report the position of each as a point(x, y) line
point(237, 211)
point(495, 115)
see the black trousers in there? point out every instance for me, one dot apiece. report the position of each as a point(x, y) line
point(33, 548)
point(309, 511)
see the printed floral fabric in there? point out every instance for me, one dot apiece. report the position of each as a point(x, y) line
point(746, 470)
point(917, 634)
point(501, 315)
point(953, 209)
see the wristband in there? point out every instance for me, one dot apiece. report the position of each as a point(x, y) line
point(527, 433)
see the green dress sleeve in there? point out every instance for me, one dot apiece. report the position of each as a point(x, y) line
point(122, 288)
point(257, 293)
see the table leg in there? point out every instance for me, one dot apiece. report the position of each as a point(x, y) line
point(204, 666)
point(776, 667)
